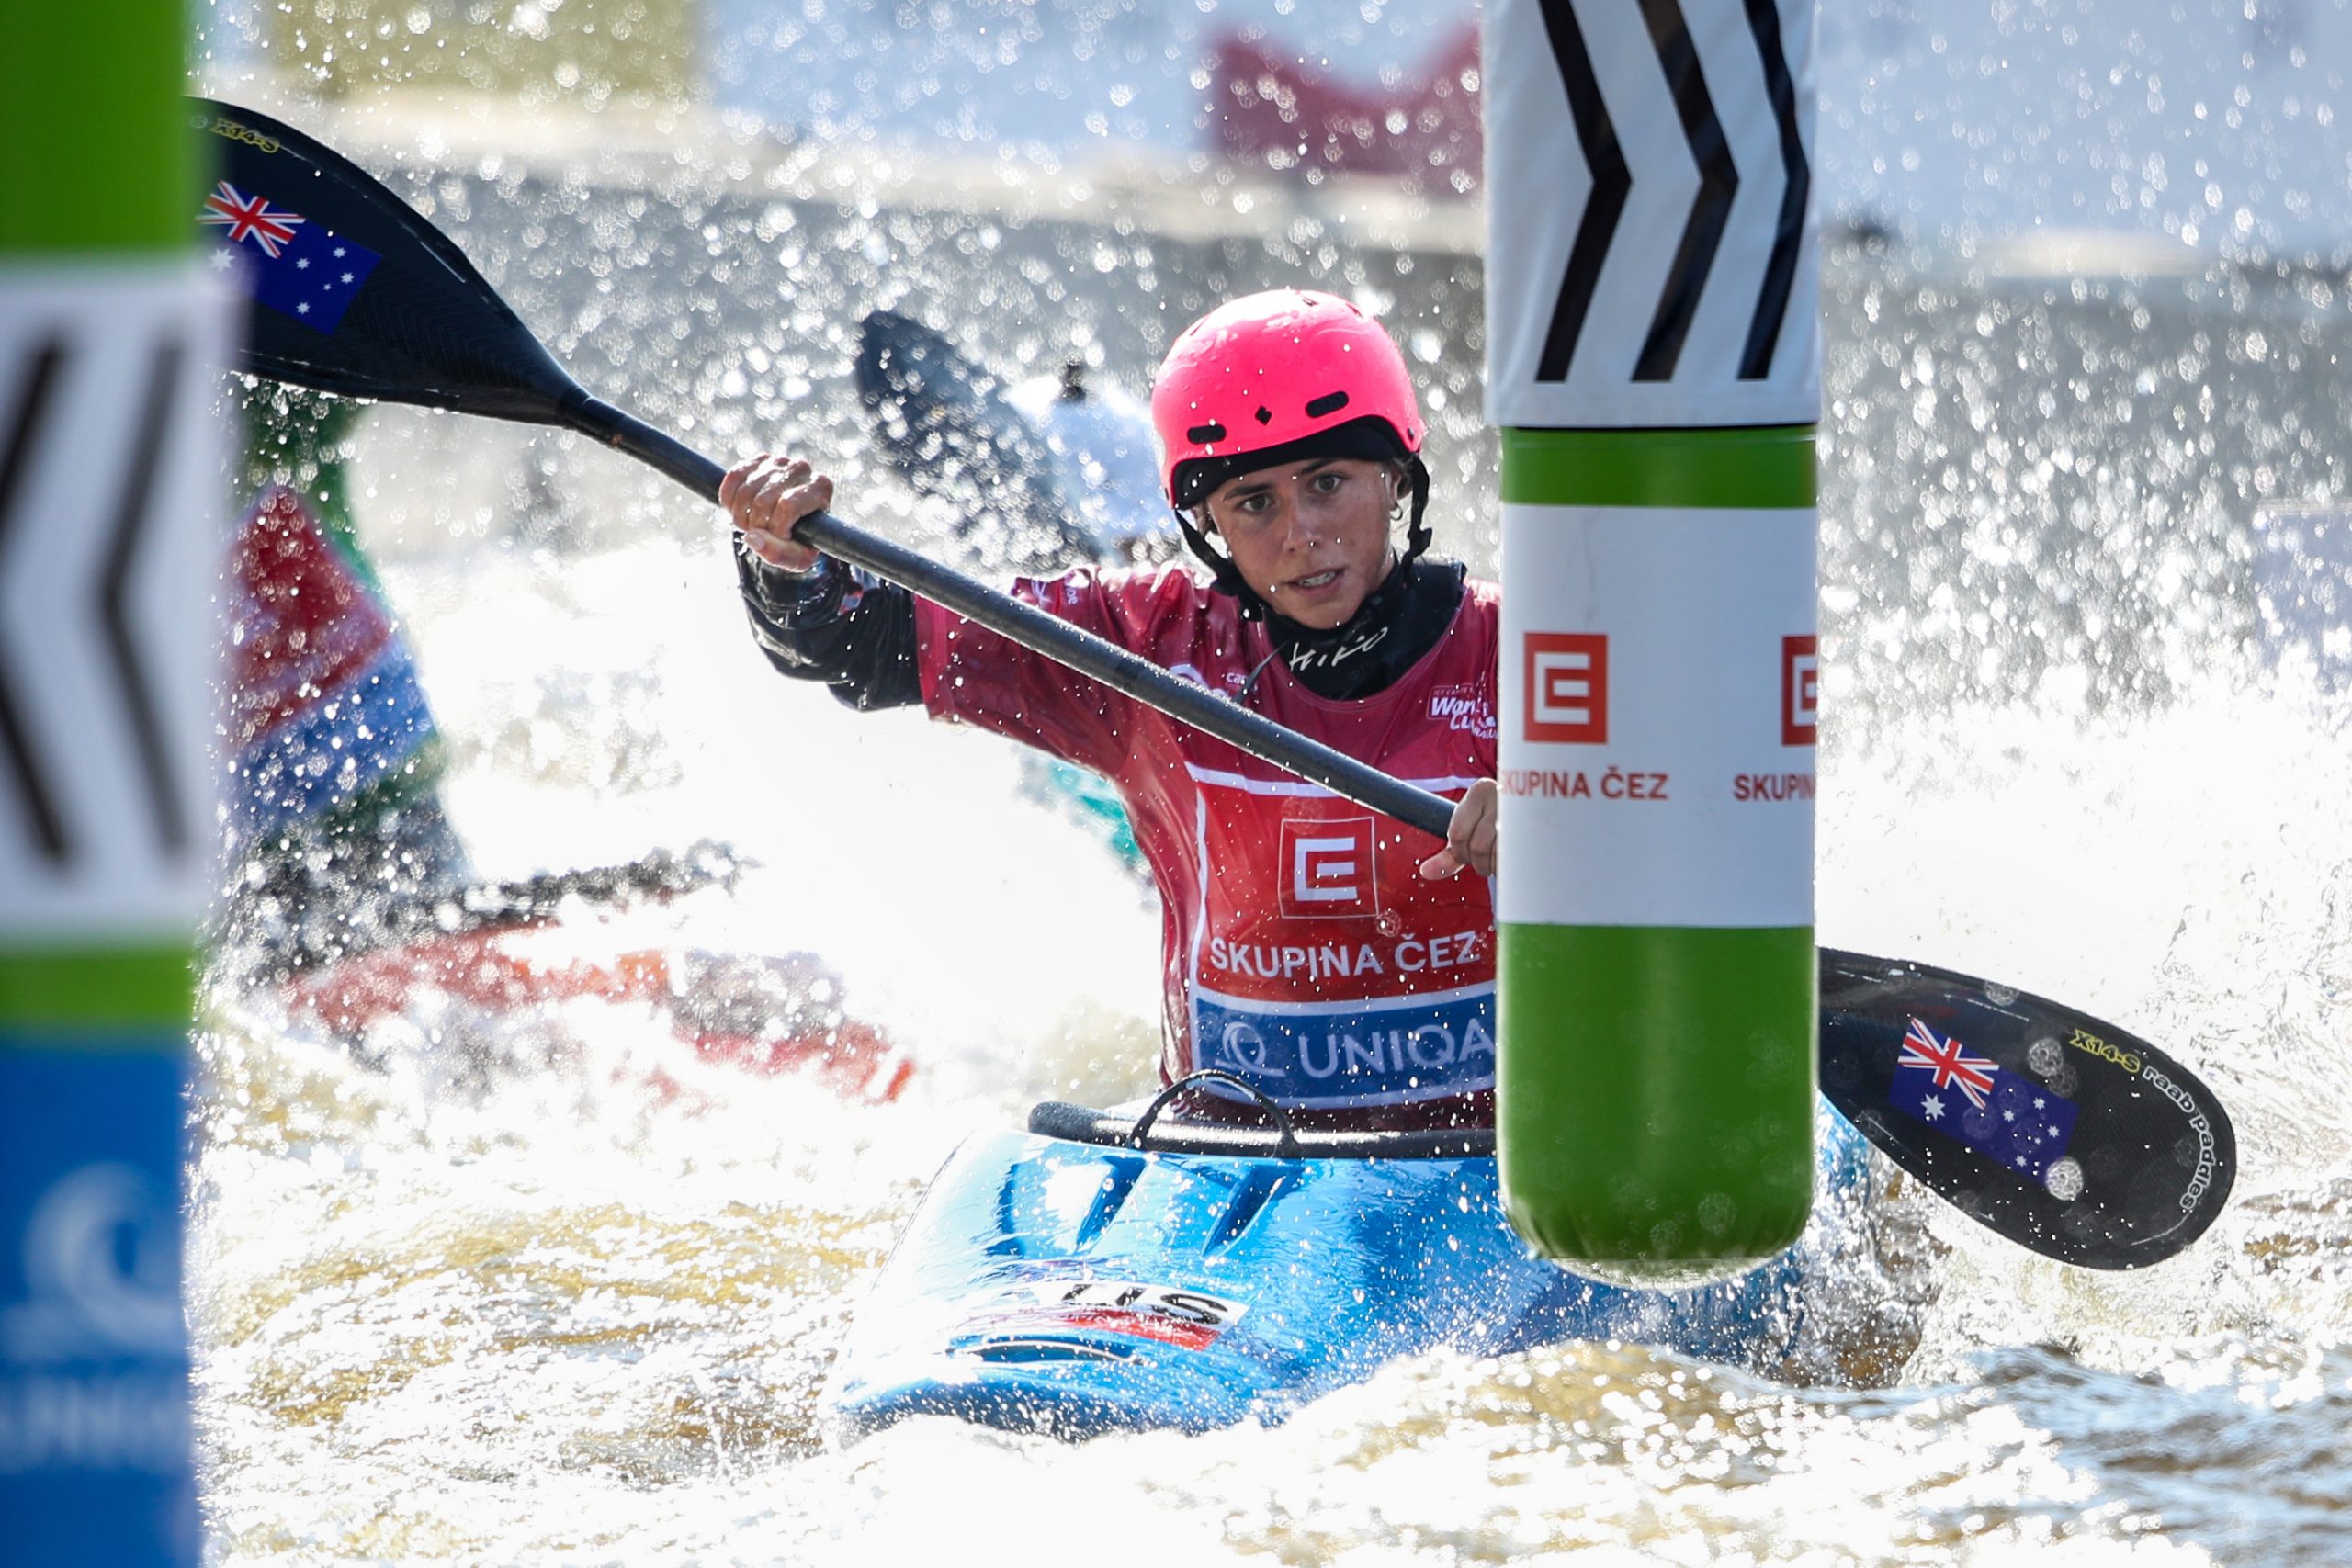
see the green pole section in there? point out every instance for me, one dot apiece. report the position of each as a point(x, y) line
point(101, 160)
point(1655, 1081)
point(108, 554)
point(1653, 361)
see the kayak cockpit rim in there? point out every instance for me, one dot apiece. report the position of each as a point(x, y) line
point(1146, 1131)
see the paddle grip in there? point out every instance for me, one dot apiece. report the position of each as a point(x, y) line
point(1035, 629)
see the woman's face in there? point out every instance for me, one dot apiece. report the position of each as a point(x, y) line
point(1311, 538)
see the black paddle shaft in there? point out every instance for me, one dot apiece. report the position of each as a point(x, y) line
point(1032, 628)
point(2149, 1156)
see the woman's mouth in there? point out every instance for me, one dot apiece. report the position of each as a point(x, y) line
point(1314, 583)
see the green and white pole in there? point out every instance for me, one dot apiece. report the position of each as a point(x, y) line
point(109, 561)
point(1653, 359)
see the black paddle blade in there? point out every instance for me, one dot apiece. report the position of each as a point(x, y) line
point(2062, 1133)
point(946, 425)
point(352, 292)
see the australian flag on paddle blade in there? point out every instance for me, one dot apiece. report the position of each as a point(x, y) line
point(2018, 1124)
point(291, 264)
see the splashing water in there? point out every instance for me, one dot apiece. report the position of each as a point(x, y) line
point(538, 1315)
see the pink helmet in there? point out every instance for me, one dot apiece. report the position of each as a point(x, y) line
point(1273, 375)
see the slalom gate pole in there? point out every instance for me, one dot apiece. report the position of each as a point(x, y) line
point(110, 339)
point(1652, 360)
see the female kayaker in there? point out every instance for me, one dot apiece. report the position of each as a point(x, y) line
point(1331, 958)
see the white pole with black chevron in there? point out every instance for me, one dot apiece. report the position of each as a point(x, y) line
point(110, 471)
point(1653, 361)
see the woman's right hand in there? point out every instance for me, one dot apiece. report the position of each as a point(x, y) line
point(766, 498)
point(1469, 835)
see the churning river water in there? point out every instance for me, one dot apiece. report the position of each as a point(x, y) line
point(499, 1301)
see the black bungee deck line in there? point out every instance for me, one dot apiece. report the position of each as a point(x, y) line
point(2132, 1158)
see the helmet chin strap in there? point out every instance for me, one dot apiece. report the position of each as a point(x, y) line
point(1225, 578)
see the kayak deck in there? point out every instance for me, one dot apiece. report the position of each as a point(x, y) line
point(1073, 1288)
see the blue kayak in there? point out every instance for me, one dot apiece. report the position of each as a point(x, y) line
point(1065, 1280)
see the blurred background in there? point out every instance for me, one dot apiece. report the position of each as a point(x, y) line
point(2211, 124)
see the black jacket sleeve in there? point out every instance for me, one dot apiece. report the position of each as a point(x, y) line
point(851, 631)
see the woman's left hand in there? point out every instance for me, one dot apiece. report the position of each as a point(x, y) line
point(1469, 836)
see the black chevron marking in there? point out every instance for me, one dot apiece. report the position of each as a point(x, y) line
point(114, 610)
point(1610, 183)
point(1779, 273)
point(16, 460)
point(1710, 210)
